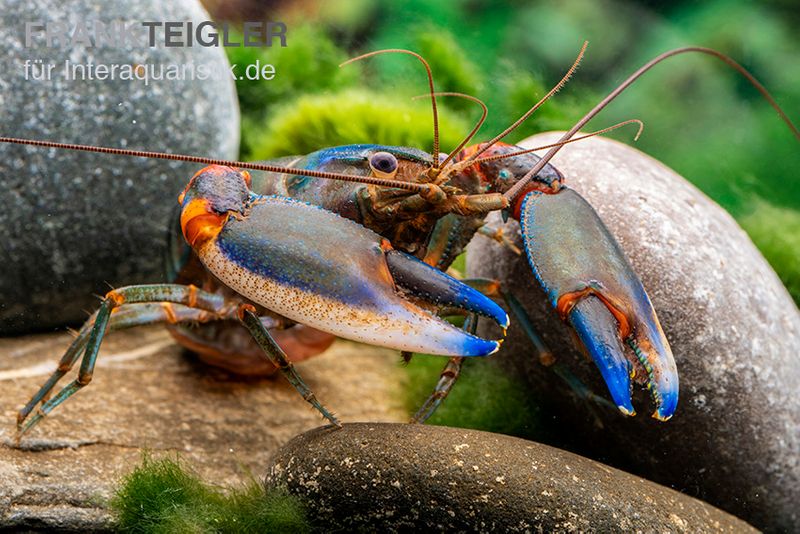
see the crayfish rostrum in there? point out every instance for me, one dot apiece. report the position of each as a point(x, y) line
point(355, 241)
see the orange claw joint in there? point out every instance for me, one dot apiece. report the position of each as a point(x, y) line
point(591, 284)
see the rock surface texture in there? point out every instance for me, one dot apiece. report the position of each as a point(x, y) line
point(733, 328)
point(74, 222)
point(389, 478)
point(147, 395)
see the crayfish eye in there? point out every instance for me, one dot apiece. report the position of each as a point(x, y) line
point(383, 164)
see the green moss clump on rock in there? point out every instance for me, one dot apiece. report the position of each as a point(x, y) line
point(353, 116)
point(161, 495)
point(776, 233)
point(310, 65)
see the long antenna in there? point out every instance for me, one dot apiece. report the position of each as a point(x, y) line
point(511, 193)
point(409, 186)
point(430, 86)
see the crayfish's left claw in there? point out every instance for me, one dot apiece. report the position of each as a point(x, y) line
point(591, 284)
point(312, 266)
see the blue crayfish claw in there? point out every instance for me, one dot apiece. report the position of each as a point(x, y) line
point(593, 287)
point(322, 270)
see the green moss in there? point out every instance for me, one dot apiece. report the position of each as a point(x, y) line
point(162, 496)
point(309, 66)
point(485, 397)
point(776, 232)
point(352, 116)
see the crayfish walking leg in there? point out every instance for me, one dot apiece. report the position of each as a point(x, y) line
point(278, 358)
point(126, 316)
point(452, 369)
point(121, 308)
point(139, 305)
point(447, 379)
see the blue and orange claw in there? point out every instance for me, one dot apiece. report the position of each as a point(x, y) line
point(592, 285)
point(598, 331)
point(330, 273)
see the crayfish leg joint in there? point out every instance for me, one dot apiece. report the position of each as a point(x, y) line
point(116, 297)
point(243, 309)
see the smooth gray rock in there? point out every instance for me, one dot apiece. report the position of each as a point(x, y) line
point(74, 222)
point(403, 477)
point(733, 328)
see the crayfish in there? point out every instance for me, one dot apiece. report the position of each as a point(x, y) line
point(355, 241)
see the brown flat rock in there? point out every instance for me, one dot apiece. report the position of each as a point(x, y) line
point(146, 394)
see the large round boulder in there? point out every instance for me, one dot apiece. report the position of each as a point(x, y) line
point(732, 326)
point(73, 222)
point(369, 477)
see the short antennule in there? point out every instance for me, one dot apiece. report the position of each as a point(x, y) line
point(536, 106)
point(514, 191)
point(471, 134)
point(430, 86)
point(613, 127)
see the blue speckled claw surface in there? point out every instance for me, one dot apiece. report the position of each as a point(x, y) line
point(333, 274)
point(591, 284)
